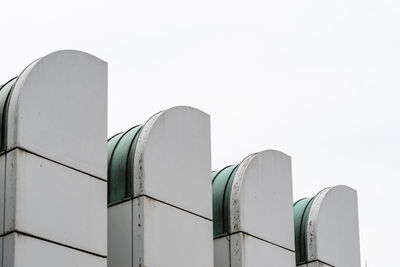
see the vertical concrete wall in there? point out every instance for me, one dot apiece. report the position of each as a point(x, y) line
point(327, 232)
point(53, 165)
point(165, 220)
point(253, 218)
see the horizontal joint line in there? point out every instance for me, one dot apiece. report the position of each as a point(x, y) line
point(54, 161)
point(51, 241)
point(259, 238)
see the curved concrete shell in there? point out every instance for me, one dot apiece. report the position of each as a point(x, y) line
point(253, 201)
point(141, 158)
point(326, 228)
point(160, 192)
point(59, 100)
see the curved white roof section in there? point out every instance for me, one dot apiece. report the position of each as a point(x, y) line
point(333, 231)
point(255, 197)
point(172, 159)
point(58, 109)
point(261, 198)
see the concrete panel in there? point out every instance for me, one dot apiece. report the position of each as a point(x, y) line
point(10, 191)
point(2, 190)
point(8, 250)
point(174, 152)
point(333, 231)
point(23, 251)
point(54, 202)
point(58, 109)
point(170, 237)
point(120, 235)
point(1, 251)
point(222, 252)
point(262, 189)
point(255, 252)
point(237, 250)
point(139, 239)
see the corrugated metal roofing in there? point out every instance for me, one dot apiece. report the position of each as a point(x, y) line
point(121, 151)
point(301, 210)
point(5, 94)
point(222, 188)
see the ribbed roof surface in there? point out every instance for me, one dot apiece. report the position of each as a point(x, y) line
point(301, 210)
point(222, 187)
point(5, 93)
point(121, 151)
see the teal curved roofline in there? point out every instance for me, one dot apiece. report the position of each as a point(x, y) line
point(221, 192)
point(5, 95)
point(121, 150)
point(120, 159)
point(301, 211)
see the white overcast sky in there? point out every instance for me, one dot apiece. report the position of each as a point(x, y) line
point(318, 80)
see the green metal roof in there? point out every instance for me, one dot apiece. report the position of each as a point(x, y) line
point(5, 95)
point(221, 192)
point(301, 210)
point(121, 151)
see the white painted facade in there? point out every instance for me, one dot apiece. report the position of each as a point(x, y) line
point(169, 220)
point(333, 231)
point(262, 231)
point(54, 167)
point(53, 187)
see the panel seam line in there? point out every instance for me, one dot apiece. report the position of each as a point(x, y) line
point(163, 202)
point(54, 161)
point(51, 241)
point(262, 239)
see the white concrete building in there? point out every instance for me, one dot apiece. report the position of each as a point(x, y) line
point(160, 211)
point(145, 198)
